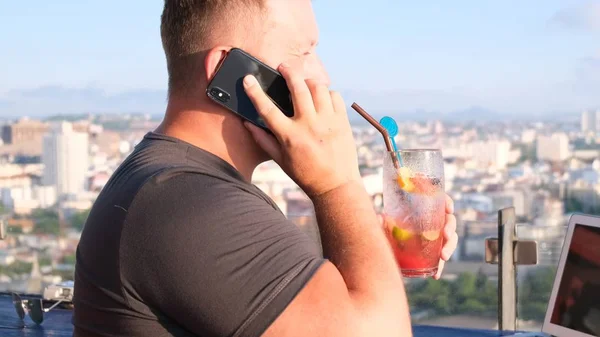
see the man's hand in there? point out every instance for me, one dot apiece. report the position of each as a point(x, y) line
point(316, 147)
point(450, 236)
point(358, 291)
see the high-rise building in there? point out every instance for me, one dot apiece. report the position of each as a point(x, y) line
point(491, 153)
point(66, 159)
point(553, 148)
point(590, 121)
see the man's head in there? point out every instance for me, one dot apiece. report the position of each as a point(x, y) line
point(197, 34)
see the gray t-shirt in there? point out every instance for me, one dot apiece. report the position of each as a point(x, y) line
point(178, 244)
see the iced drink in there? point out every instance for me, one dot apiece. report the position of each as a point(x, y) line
point(414, 210)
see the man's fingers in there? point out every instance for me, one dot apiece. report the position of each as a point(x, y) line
point(450, 237)
point(268, 111)
point(338, 102)
point(301, 96)
point(449, 247)
point(450, 243)
point(449, 205)
point(266, 141)
point(320, 96)
point(438, 275)
point(450, 226)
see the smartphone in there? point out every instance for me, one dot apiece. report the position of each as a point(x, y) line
point(226, 87)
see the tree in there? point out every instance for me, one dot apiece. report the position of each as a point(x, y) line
point(46, 222)
point(40, 213)
point(69, 259)
point(528, 152)
point(535, 293)
point(432, 294)
point(472, 293)
point(15, 230)
point(47, 226)
point(469, 293)
point(16, 268)
point(78, 219)
point(66, 275)
point(465, 285)
point(573, 205)
point(45, 261)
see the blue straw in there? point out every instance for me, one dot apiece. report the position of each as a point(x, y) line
point(392, 128)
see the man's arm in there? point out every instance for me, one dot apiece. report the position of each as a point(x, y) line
point(361, 292)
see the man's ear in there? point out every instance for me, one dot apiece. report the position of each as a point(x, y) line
point(213, 60)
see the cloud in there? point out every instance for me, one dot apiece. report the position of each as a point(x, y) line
point(56, 99)
point(586, 82)
point(407, 100)
point(585, 16)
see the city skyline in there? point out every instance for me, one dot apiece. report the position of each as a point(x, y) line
point(51, 173)
point(512, 59)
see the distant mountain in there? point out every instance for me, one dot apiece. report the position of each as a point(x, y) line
point(470, 114)
point(475, 113)
point(380, 104)
point(58, 100)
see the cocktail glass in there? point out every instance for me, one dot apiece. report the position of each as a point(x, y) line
point(414, 204)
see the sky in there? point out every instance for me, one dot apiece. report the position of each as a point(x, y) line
point(511, 57)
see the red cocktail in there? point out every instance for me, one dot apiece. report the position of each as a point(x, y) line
point(414, 206)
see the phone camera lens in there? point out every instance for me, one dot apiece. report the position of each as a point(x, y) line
point(220, 95)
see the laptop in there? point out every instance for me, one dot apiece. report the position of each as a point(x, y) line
point(574, 305)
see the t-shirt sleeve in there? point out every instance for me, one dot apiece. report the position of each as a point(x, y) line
point(213, 257)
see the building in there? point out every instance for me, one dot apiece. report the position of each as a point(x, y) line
point(517, 198)
point(528, 136)
point(590, 121)
point(553, 148)
point(23, 138)
point(490, 154)
point(66, 159)
point(23, 131)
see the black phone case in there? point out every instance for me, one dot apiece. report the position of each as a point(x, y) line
point(226, 87)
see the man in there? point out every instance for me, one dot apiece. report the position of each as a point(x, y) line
point(180, 243)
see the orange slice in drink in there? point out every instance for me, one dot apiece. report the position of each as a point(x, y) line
point(401, 235)
point(431, 235)
point(405, 179)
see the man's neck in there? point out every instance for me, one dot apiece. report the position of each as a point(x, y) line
point(219, 133)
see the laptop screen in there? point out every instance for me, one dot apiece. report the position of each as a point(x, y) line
point(577, 304)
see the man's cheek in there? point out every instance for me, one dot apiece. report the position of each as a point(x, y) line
point(315, 69)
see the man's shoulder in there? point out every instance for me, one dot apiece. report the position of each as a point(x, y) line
point(185, 192)
point(168, 171)
point(199, 184)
